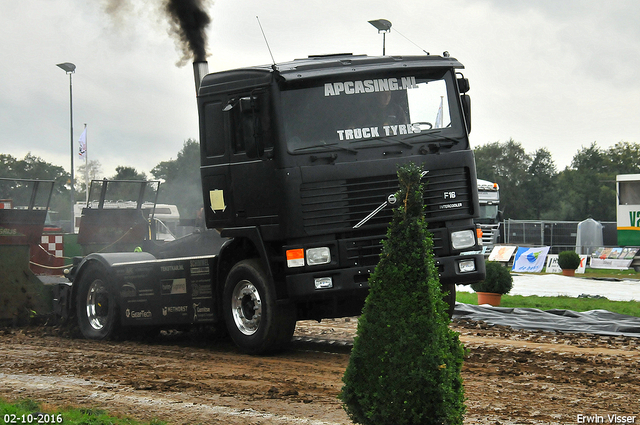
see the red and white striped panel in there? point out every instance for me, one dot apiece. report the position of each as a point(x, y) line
point(53, 244)
point(5, 205)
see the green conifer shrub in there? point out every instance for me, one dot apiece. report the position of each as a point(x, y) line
point(568, 260)
point(497, 281)
point(405, 365)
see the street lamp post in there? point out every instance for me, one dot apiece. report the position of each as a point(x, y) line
point(70, 68)
point(383, 26)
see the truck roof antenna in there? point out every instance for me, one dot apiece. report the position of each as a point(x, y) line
point(267, 43)
point(412, 42)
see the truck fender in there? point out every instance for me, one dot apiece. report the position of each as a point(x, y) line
point(230, 249)
point(106, 260)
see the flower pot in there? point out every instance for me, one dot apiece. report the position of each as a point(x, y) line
point(489, 298)
point(568, 272)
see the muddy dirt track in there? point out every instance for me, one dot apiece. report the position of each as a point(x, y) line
point(511, 377)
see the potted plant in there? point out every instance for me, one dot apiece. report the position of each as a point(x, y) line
point(497, 283)
point(568, 261)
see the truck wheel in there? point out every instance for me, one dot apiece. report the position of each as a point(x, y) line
point(450, 297)
point(96, 305)
point(256, 322)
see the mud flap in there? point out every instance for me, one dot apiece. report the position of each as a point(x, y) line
point(61, 294)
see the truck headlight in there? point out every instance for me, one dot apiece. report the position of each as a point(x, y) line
point(317, 256)
point(467, 266)
point(463, 239)
point(323, 282)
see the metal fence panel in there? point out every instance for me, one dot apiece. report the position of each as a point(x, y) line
point(559, 235)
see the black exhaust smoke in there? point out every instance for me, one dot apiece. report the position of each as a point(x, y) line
point(189, 20)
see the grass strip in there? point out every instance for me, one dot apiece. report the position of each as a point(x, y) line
point(629, 308)
point(28, 411)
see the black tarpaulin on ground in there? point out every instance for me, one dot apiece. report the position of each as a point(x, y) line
point(599, 322)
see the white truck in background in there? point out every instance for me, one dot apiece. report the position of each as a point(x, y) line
point(490, 216)
point(166, 216)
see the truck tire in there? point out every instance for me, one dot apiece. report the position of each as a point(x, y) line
point(97, 305)
point(256, 323)
point(450, 297)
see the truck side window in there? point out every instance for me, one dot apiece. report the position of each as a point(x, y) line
point(242, 128)
point(214, 129)
point(251, 122)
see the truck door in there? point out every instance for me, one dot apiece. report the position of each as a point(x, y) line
point(214, 152)
point(252, 171)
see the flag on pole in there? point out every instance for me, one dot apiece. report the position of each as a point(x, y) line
point(83, 143)
point(439, 114)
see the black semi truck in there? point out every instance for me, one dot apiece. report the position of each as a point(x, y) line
point(298, 167)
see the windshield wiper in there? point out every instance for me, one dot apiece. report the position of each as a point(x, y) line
point(434, 147)
point(386, 140)
point(324, 145)
point(435, 134)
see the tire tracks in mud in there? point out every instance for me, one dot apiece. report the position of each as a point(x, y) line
point(510, 376)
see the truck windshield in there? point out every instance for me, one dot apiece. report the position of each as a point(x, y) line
point(369, 112)
point(488, 213)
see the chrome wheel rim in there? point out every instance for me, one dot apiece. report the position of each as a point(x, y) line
point(246, 307)
point(97, 304)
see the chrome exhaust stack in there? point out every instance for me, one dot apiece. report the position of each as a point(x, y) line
point(200, 69)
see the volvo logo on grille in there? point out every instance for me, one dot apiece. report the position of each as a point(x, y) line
point(391, 199)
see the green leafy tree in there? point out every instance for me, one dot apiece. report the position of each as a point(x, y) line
point(508, 165)
point(588, 186)
point(92, 170)
point(405, 364)
point(180, 178)
point(126, 191)
point(539, 189)
point(35, 168)
point(624, 158)
point(531, 188)
point(128, 173)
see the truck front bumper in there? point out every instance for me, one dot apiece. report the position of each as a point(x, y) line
point(451, 273)
point(329, 283)
point(349, 281)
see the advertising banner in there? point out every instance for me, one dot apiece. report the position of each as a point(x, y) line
point(553, 267)
point(530, 260)
point(583, 264)
point(502, 253)
point(613, 258)
point(552, 264)
point(628, 224)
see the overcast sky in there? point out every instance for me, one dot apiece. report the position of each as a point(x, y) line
point(553, 74)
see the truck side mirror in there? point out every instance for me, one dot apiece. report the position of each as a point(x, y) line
point(466, 109)
point(463, 85)
point(246, 105)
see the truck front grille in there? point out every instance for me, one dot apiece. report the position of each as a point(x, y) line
point(365, 251)
point(338, 205)
point(489, 233)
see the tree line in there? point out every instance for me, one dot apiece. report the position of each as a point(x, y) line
point(531, 187)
